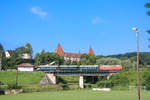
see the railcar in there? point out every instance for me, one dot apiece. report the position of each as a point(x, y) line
point(68, 68)
point(110, 67)
point(47, 67)
point(88, 67)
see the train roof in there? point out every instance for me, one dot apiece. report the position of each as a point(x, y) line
point(48, 66)
point(111, 65)
point(88, 65)
point(68, 66)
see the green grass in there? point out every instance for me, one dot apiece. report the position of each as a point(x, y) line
point(24, 78)
point(78, 95)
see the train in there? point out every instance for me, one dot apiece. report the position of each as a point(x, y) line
point(78, 68)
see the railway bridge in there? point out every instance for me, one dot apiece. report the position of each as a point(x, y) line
point(52, 75)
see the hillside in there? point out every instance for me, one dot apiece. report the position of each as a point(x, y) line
point(144, 56)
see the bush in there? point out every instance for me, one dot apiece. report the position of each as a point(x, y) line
point(13, 86)
point(105, 83)
point(146, 79)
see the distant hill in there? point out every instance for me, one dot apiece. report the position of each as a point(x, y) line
point(144, 56)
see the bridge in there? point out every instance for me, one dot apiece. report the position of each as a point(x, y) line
point(52, 75)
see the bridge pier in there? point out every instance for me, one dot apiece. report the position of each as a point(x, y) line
point(81, 82)
point(51, 78)
point(109, 76)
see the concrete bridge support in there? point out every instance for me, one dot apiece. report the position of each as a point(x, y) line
point(109, 76)
point(81, 82)
point(52, 78)
point(49, 79)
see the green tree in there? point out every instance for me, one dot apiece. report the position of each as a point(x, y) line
point(24, 49)
point(128, 64)
point(28, 48)
point(68, 62)
point(87, 59)
point(20, 50)
point(47, 57)
point(1, 55)
point(1, 47)
point(108, 61)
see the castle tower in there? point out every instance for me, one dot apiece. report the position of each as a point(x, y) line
point(59, 50)
point(90, 51)
point(79, 53)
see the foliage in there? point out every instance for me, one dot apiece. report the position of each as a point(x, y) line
point(13, 86)
point(1, 47)
point(24, 49)
point(128, 64)
point(69, 62)
point(28, 48)
point(126, 79)
point(146, 79)
point(15, 59)
point(105, 83)
point(108, 61)
point(47, 57)
point(10, 63)
point(1, 54)
point(68, 79)
point(148, 6)
point(143, 57)
point(87, 59)
point(20, 50)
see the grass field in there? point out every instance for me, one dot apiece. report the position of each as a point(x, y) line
point(78, 95)
point(24, 78)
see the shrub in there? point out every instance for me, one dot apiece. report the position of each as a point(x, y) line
point(13, 86)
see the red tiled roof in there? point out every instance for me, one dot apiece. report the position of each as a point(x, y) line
point(59, 50)
point(25, 65)
point(90, 52)
point(72, 54)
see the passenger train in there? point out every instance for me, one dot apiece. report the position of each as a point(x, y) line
point(78, 68)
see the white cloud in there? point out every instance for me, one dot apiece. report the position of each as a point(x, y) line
point(97, 20)
point(38, 11)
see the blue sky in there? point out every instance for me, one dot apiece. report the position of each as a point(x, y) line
point(105, 25)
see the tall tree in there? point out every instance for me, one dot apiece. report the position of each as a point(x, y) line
point(1, 52)
point(28, 48)
point(47, 57)
point(87, 59)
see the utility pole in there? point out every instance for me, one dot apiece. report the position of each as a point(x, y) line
point(138, 74)
point(17, 76)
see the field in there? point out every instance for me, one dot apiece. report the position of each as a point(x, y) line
point(24, 78)
point(78, 95)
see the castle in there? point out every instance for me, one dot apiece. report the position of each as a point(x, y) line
point(71, 56)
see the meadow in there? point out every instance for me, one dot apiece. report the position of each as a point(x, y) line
point(78, 95)
point(24, 78)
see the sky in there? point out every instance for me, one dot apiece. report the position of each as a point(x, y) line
point(104, 25)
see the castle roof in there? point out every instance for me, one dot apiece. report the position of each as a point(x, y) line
point(60, 52)
point(72, 54)
point(90, 52)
